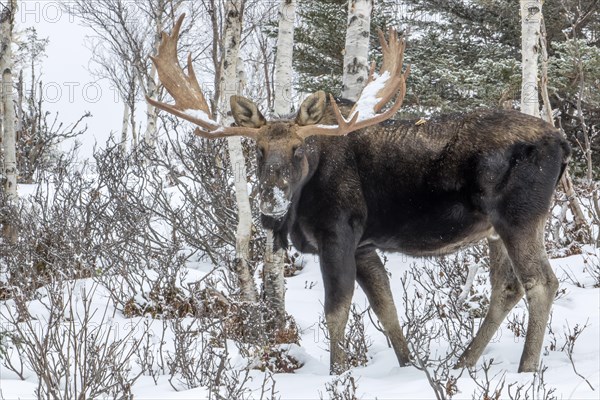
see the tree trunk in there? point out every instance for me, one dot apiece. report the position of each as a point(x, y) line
point(274, 261)
point(124, 128)
point(228, 87)
point(531, 15)
point(152, 87)
point(10, 158)
point(151, 114)
point(131, 102)
point(356, 53)
point(9, 170)
point(283, 61)
point(274, 265)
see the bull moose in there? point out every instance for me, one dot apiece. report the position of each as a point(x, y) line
point(344, 187)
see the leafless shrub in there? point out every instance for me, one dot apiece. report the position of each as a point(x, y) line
point(517, 325)
point(561, 232)
point(150, 352)
point(441, 299)
point(275, 359)
point(38, 146)
point(571, 336)
point(563, 239)
point(486, 389)
point(74, 348)
point(553, 340)
point(190, 364)
point(536, 389)
point(199, 172)
point(591, 264)
point(56, 231)
point(342, 387)
point(264, 350)
point(356, 343)
point(201, 357)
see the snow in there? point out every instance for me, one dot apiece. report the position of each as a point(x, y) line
point(381, 378)
point(201, 115)
point(281, 201)
point(368, 98)
point(365, 106)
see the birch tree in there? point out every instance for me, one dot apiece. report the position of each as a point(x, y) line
point(228, 86)
point(8, 134)
point(531, 14)
point(356, 52)
point(531, 42)
point(283, 61)
point(9, 170)
point(274, 260)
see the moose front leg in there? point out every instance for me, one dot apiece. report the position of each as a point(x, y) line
point(338, 268)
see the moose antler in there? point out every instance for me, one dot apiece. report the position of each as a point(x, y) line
point(376, 94)
point(190, 103)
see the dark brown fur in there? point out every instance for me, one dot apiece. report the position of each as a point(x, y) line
point(418, 188)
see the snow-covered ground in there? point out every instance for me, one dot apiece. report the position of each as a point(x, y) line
point(382, 378)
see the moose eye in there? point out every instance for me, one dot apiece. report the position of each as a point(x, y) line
point(299, 152)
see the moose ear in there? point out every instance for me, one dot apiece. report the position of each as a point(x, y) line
point(312, 109)
point(245, 113)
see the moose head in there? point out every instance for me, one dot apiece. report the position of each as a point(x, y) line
point(281, 144)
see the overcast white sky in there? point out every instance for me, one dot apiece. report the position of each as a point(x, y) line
point(68, 87)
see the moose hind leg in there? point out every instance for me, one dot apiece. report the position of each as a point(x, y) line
point(373, 279)
point(506, 293)
point(528, 255)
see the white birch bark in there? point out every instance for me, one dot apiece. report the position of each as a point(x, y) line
point(274, 282)
point(9, 140)
point(151, 114)
point(356, 52)
point(229, 86)
point(531, 14)
point(8, 125)
point(283, 60)
point(132, 122)
point(124, 128)
point(274, 260)
point(152, 92)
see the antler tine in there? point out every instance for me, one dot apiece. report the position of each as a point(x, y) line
point(389, 83)
point(393, 57)
point(190, 103)
point(183, 88)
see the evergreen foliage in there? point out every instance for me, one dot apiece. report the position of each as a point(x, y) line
point(320, 40)
point(464, 54)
